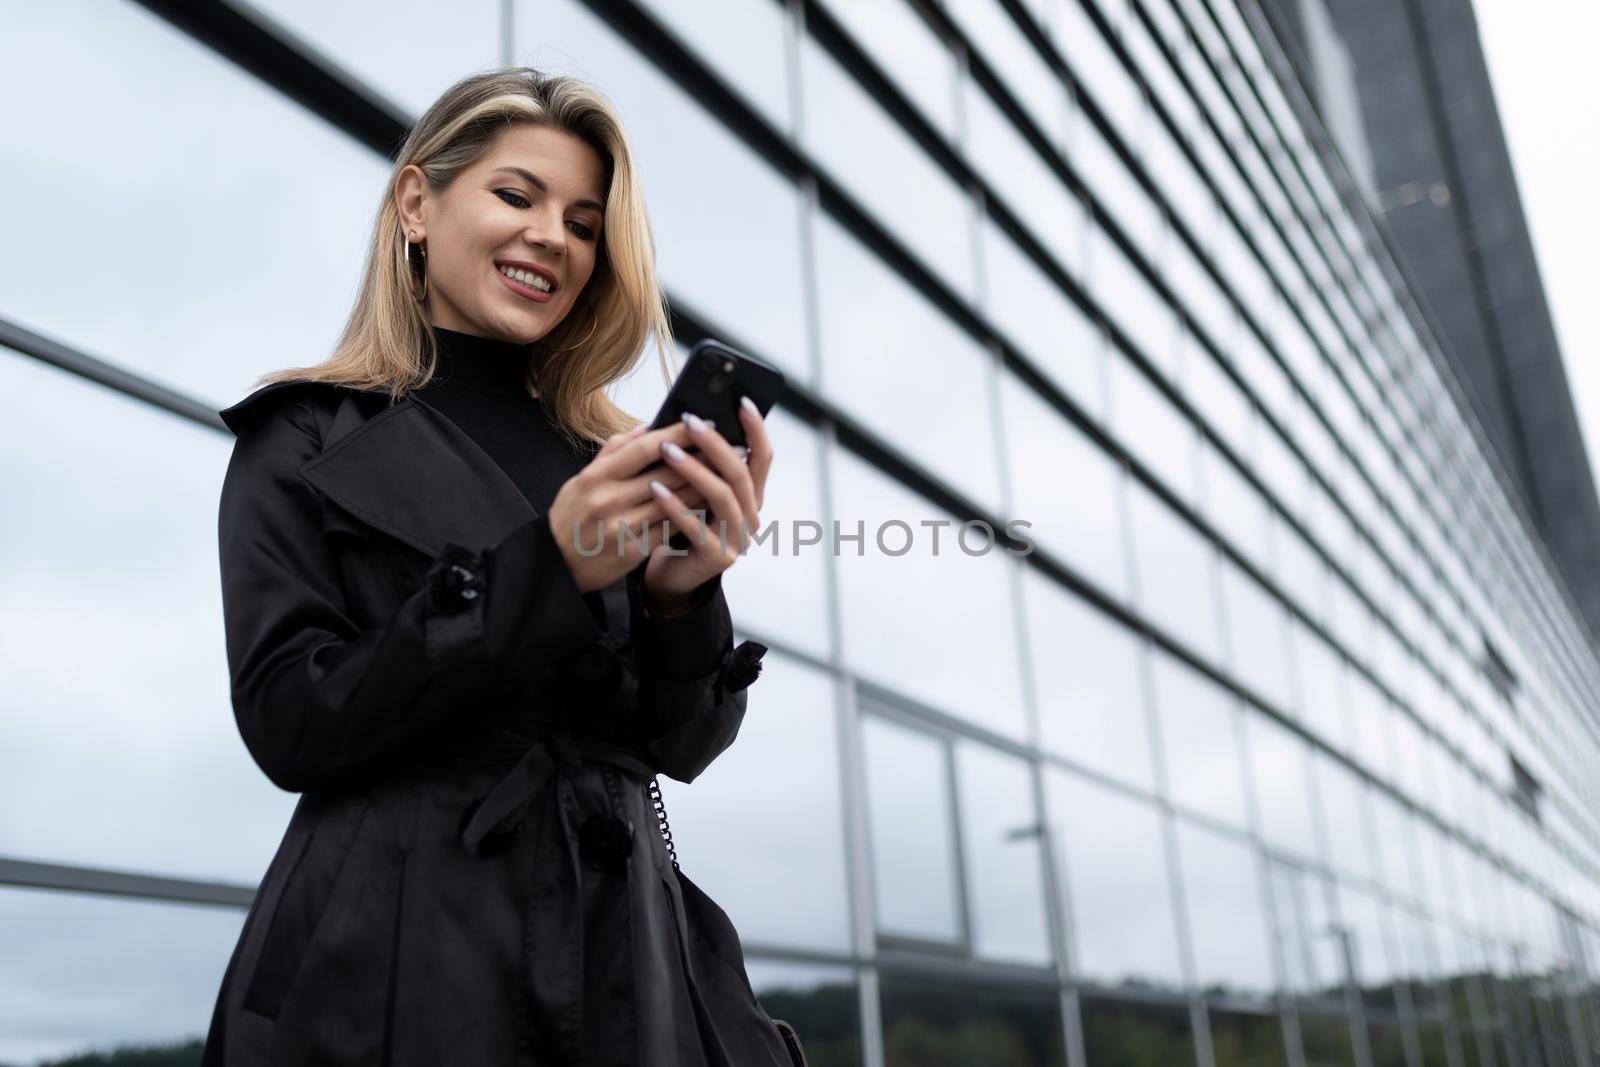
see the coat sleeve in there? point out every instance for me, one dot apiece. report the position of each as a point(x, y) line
point(317, 699)
point(692, 682)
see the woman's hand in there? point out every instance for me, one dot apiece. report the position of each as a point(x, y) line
point(612, 494)
point(730, 487)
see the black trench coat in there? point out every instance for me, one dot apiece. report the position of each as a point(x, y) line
point(474, 874)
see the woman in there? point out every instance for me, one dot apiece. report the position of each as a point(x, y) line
point(478, 871)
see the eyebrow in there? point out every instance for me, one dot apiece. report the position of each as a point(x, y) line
point(538, 183)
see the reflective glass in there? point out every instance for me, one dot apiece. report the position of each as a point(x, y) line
point(927, 1021)
point(1120, 1033)
point(378, 44)
point(909, 52)
point(1086, 682)
point(1152, 429)
point(1032, 191)
point(880, 163)
point(1175, 575)
point(1281, 762)
point(742, 42)
point(916, 885)
point(1032, 312)
point(821, 1003)
point(1235, 508)
point(1000, 834)
point(1247, 1040)
point(1116, 884)
point(895, 362)
point(934, 619)
point(1128, 299)
point(1066, 487)
point(764, 822)
point(188, 314)
point(89, 974)
point(1319, 670)
point(1326, 1041)
point(1199, 740)
point(1363, 918)
point(1345, 815)
point(1118, 193)
point(1222, 891)
point(1218, 399)
point(1016, 62)
point(1259, 650)
point(107, 761)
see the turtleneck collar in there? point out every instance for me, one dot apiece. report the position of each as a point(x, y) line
point(482, 364)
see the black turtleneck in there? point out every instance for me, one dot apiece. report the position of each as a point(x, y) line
point(480, 384)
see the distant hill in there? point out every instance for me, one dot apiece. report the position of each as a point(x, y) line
point(185, 1054)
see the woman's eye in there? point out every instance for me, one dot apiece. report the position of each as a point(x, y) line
point(587, 233)
point(504, 193)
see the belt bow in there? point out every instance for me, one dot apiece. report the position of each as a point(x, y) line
point(552, 976)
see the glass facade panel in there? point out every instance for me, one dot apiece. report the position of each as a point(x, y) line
point(303, 245)
point(928, 1022)
point(1152, 429)
point(1116, 885)
point(764, 821)
point(1086, 682)
point(909, 52)
point(1066, 488)
point(84, 974)
point(1175, 573)
point(1199, 733)
point(378, 44)
point(821, 1003)
point(1000, 834)
point(1119, 1033)
point(881, 338)
point(1281, 762)
point(1222, 890)
point(1033, 313)
point(135, 529)
point(882, 166)
point(1241, 1040)
point(897, 598)
point(910, 823)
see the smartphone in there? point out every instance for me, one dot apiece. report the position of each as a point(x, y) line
point(711, 383)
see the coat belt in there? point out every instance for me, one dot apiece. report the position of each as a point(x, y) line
point(553, 929)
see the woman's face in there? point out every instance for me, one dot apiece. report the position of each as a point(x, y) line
point(531, 205)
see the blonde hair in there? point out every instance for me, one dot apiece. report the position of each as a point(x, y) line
point(619, 309)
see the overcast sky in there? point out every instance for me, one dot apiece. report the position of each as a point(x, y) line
point(1542, 61)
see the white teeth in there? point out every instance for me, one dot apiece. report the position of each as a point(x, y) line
point(533, 281)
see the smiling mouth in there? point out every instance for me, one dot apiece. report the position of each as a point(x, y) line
point(527, 278)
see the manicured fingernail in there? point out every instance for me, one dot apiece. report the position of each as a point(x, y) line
point(750, 406)
point(671, 448)
point(741, 451)
point(639, 429)
point(658, 489)
point(696, 423)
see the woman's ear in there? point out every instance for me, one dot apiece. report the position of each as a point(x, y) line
point(410, 192)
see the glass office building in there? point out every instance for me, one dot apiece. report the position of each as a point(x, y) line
point(1278, 747)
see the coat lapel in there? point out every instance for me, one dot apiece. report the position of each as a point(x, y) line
point(412, 473)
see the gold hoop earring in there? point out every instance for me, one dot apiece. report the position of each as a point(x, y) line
point(410, 271)
point(593, 322)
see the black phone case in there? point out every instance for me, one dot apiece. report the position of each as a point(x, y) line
point(710, 384)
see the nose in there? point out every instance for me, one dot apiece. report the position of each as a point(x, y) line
point(545, 230)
